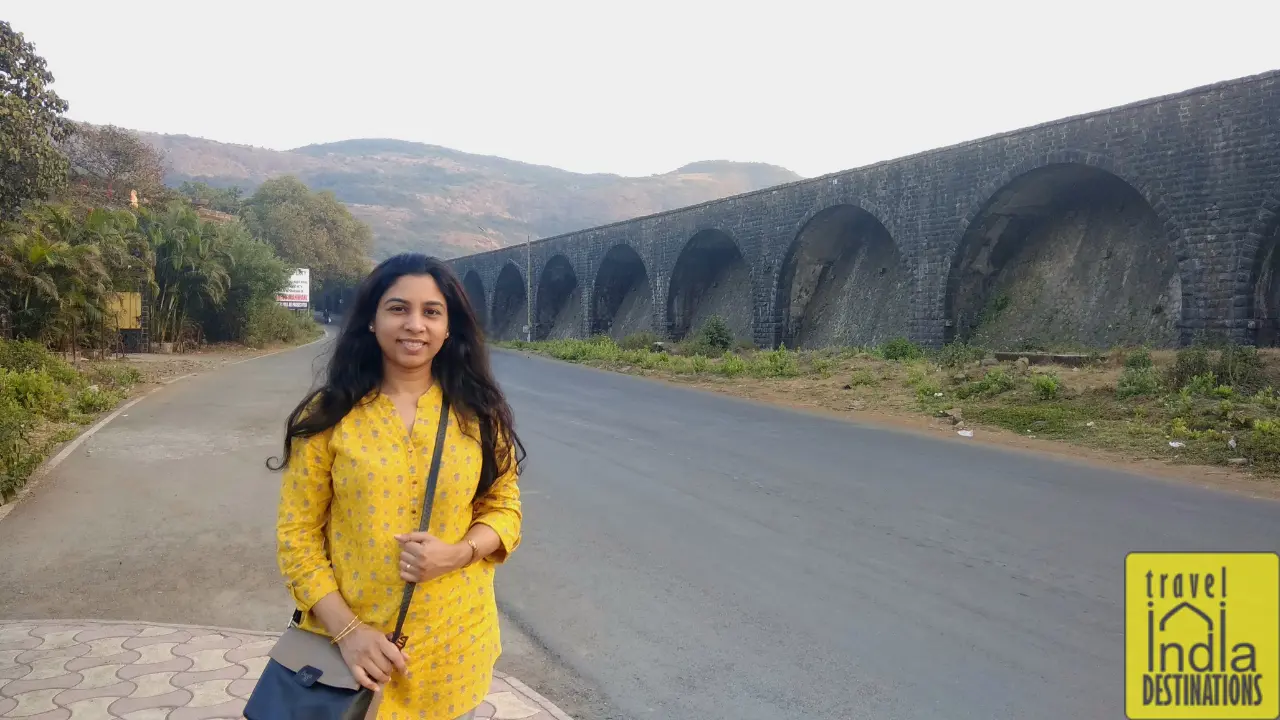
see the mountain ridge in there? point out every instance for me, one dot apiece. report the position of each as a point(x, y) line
point(431, 198)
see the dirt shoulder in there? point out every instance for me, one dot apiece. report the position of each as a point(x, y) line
point(1157, 413)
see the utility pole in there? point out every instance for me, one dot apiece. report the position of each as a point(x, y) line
point(528, 288)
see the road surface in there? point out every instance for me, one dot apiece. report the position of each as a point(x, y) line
point(686, 555)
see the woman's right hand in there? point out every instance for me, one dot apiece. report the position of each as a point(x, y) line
point(371, 657)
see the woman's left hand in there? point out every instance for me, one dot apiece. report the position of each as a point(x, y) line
point(424, 557)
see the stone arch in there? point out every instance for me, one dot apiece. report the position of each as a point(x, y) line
point(473, 285)
point(711, 277)
point(1066, 251)
point(510, 304)
point(558, 302)
point(842, 282)
point(621, 296)
point(1260, 254)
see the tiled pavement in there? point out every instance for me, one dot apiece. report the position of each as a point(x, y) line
point(95, 670)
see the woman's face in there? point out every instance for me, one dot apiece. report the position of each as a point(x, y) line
point(411, 321)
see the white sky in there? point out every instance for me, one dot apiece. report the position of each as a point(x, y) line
point(633, 88)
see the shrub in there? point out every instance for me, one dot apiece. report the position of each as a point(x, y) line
point(94, 399)
point(1046, 386)
point(15, 423)
point(1139, 359)
point(1189, 362)
point(1202, 384)
point(959, 354)
point(901, 349)
point(35, 391)
point(269, 323)
point(1262, 445)
point(927, 391)
point(116, 376)
point(639, 341)
point(1240, 367)
point(1137, 382)
point(715, 334)
point(732, 365)
point(995, 382)
point(24, 355)
point(780, 363)
point(862, 377)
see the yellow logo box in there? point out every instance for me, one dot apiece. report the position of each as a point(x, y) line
point(1202, 636)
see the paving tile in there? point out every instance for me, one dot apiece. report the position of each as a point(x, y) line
point(14, 633)
point(47, 668)
point(175, 665)
point(242, 688)
point(72, 651)
point(175, 699)
point(58, 714)
point(211, 659)
point(191, 677)
point(105, 647)
point(208, 693)
point(90, 709)
point(510, 706)
point(160, 652)
point(69, 671)
point(228, 711)
point(254, 666)
point(172, 637)
point(108, 631)
point(56, 637)
point(34, 702)
point(23, 643)
point(203, 642)
point(257, 648)
point(100, 676)
point(13, 688)
point(153, 684)
point(127, 657)
point(119, 689)
point(149, 714)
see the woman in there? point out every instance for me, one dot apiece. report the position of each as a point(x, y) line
point(357, 451)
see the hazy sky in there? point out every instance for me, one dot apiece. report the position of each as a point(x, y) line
point(638, 87)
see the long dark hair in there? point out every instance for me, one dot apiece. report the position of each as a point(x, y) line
point(461, 368)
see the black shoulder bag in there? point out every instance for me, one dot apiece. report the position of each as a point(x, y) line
point(306, 677)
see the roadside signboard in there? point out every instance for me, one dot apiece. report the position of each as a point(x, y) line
point(297, 294)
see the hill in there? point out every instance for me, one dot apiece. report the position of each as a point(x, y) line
point(434, 199)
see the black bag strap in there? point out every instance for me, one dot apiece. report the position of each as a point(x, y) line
point(433, 476)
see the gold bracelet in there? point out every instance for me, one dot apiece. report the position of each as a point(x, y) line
point(475, 550)
point(355, 621)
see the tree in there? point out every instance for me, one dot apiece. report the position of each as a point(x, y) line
point(191, 275)
point(31, 126)
point(107, 162)
point(310, 229)
point(225, 200)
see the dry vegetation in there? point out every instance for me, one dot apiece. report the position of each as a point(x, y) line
point(1199, 405)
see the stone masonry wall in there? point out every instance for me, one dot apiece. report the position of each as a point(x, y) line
point(1207, 161)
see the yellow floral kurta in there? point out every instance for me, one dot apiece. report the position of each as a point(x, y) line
point(344, 496)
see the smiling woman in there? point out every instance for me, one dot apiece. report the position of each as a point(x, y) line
point(356, 456)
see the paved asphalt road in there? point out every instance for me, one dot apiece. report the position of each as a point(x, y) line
point(687, 555)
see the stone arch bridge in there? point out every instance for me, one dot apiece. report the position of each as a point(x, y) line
point(1156, 222)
